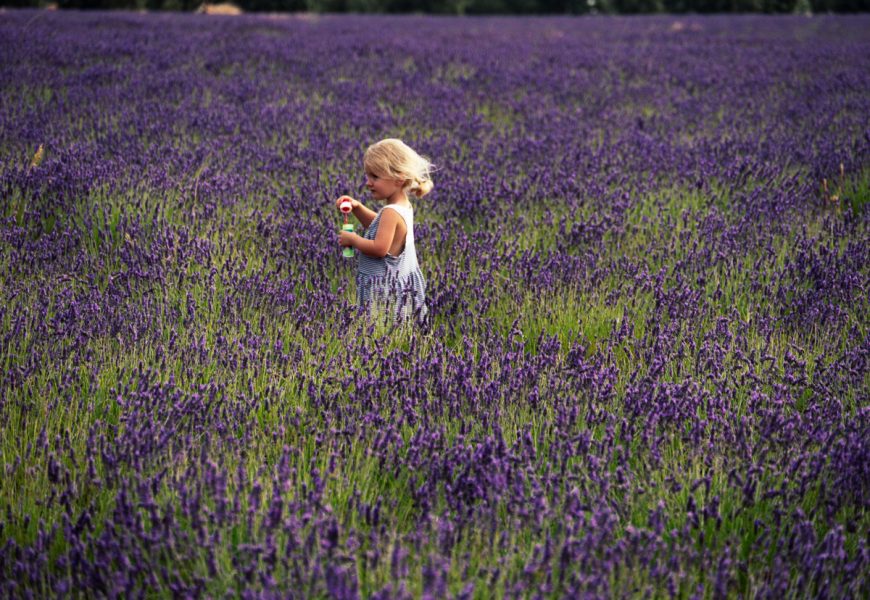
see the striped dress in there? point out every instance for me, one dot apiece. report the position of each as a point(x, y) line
point(395, 282)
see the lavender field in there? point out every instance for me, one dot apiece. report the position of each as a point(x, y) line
point(645, 372)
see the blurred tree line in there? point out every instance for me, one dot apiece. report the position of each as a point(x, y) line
point(478, 6)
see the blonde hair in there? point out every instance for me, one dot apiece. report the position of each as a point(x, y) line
point(393, 159)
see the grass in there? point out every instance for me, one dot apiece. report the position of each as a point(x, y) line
point(229, 341)
point(27, 487)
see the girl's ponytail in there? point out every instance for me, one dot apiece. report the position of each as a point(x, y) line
point(421, 188)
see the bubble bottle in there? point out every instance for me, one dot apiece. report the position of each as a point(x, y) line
point(345, 206)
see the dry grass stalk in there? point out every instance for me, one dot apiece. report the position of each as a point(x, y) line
point(38, 157)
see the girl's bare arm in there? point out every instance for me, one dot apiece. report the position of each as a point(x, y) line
point(380, 246)
point(365, 215)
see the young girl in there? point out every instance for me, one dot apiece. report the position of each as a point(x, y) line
point(388, 271)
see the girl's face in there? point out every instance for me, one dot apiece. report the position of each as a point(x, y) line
point(382, 188)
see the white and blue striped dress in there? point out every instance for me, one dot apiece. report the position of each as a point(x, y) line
point(393, 281)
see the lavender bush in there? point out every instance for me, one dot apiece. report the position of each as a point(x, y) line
point(647, 254)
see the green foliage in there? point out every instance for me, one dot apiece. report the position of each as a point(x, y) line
point(461, 7)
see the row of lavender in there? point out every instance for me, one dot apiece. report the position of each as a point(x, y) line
point(646, 367)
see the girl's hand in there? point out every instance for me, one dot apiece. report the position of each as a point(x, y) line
point(353, 202)
point(347, 238)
